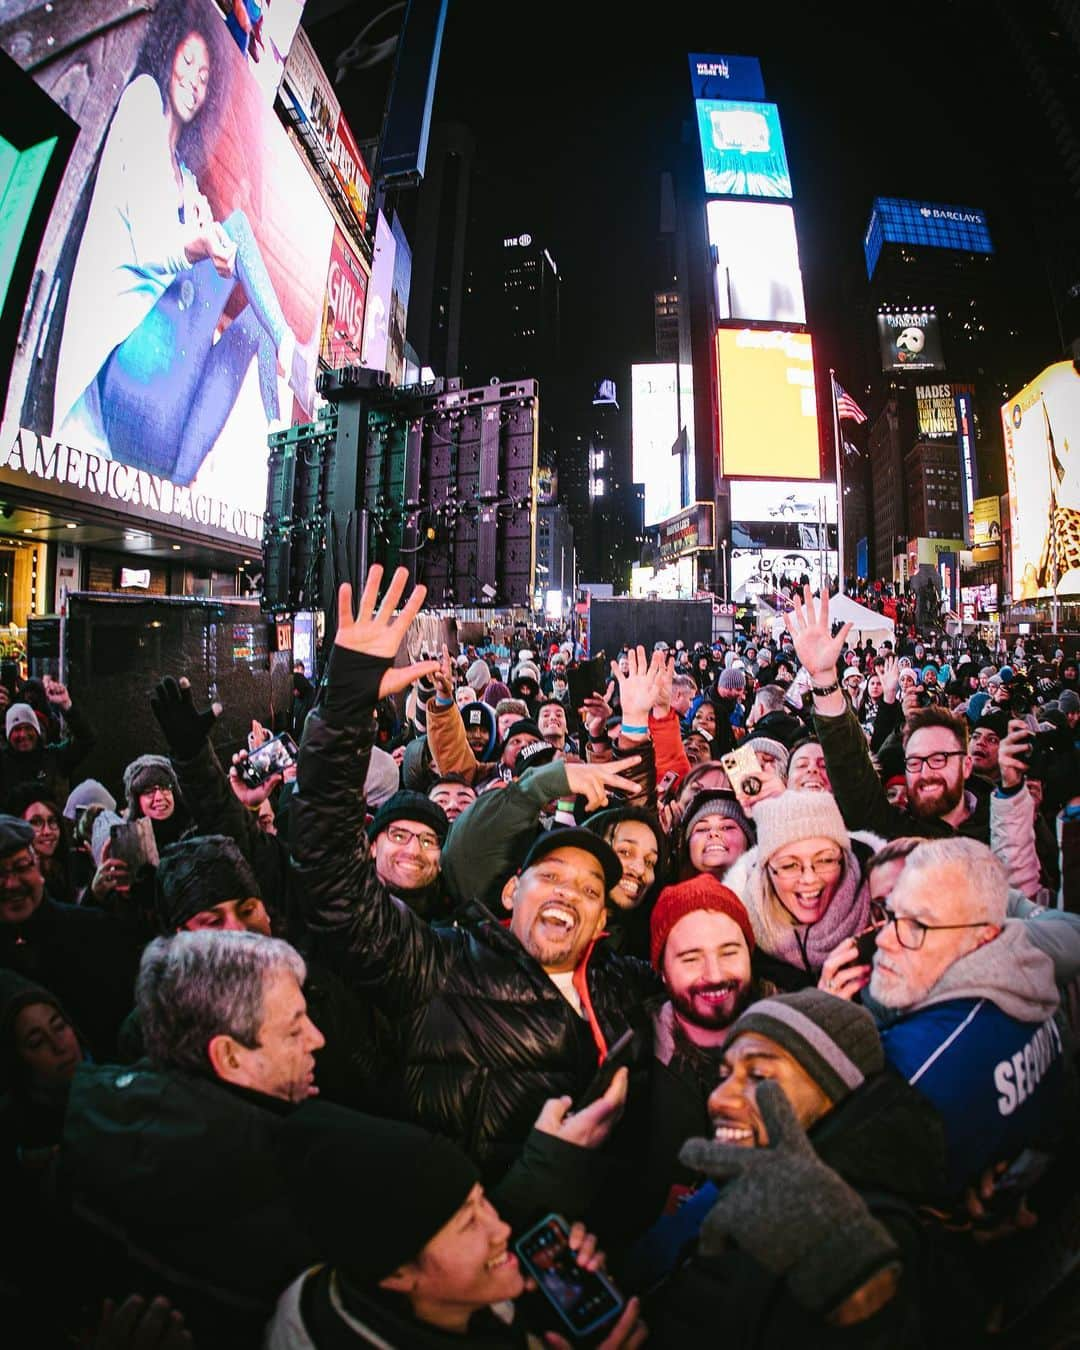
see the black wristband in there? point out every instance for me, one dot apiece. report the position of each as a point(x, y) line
point(352, 685)
point(824, 690)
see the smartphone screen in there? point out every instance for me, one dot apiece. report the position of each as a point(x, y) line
point(584, 1299)
point(273, 757)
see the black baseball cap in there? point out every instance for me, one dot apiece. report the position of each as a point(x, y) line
point(575, 837)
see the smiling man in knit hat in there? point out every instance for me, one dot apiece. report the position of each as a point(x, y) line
point(808, 1227)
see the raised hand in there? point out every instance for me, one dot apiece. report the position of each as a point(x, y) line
point(1013, 753)
point(443, 677)
point(57, 693)
point(665, 673)
point(637, 689)
point(184, 727)
point(815, 645)
point(890, 678)
point(251, 797)
point(594, 781)
point(595, 711)
point(381, 634)
point(590, 1127)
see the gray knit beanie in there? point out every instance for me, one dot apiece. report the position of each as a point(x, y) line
point(732, 680)
point(768, 746)
point(796, 815)
point(833, 1039)
point(719, 802)
point(478, 676)
point(144, 773)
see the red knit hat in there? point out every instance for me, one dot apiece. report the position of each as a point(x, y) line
point(700, 892)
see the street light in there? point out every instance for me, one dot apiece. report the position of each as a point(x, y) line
point(723, 568)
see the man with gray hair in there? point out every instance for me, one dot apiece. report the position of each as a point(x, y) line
point(976, 1000)
point(178, 1159)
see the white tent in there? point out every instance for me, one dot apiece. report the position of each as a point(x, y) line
point(866, 624)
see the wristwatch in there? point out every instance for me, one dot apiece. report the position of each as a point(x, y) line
point(824, 690)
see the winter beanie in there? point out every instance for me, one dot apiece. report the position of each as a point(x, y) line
point(833, 1039)
point(525, 727)
point(383, 778)
point(1069, 701)
point(995, 721)
point(197, 874)
point(15, 833)
point(796, 815)
point(768, 746)
point(144, 773)
point(734, 681)
point(21, 715)
point(478, 676)
point(344, 1174)
point(406, 805)
point(88, 793)
point(975, 704)
point(700, 892)
point(719, 802)
point(529, 756)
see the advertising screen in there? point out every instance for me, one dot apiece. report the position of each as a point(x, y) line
point(180, 310)
point(1042, 460)
point(896, 220)
point(935, 409)
point(757, 570)
point(757, 262)
point(267, 45)
point(768, 409)
point(343, 316)
point(800, 503)
point(376, 346)
point(654, 423)
point(742, 149)
point(910, 340)
point(726, 76)
point(307, 90)
point(399, 301)
point(987, 521)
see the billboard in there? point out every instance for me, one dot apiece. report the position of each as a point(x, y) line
point(935, 409)
point(307, 91)
point(688, 532)
point(726, 77)
point(768, 408)
point(800, 503)
point(654, 431)
point(178, 320)
point(267, 46)
point(909, 340)
point(1042, 460)
point(343, 312)
point(742, 149)
point(375, 350)
point(987, 523)
point(895, 220)
point(768, 569)
point(399, 301)
point(757, 262)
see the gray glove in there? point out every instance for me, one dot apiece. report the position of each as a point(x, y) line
point(789, 1211)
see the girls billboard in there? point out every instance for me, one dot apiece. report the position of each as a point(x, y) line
point(180, 315)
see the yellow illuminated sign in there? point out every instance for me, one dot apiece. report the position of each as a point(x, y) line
point(768, 409)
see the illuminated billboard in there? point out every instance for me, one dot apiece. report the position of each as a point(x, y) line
point(179, 313)
point(935, 409)
point(895, 220)
point(267, 45)
point(654, 429)
point(909, 340)
point(768, 408)
point(399, 301)
point(742, 149)
point(343, 314)
point(757, 262)
point(796, 503)
point(726, 76)
point(375, 352)
point(987, 522)
point(767, 569)
point(1042, 459)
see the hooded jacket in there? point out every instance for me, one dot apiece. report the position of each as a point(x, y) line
point(486, 1035)
point(450, 749)
point(985, 1048)
point(49, 765)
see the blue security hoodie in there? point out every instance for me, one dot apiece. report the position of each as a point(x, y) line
point(985, 1048)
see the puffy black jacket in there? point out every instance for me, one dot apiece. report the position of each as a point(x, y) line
point(486, 1035)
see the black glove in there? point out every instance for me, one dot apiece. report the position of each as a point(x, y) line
point(789, 1211)
point(184, 727)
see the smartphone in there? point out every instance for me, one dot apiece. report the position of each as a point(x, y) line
point(744, 771)
point(666, 783)
point(274, 757)
point(1027, 1168)
point(621, 1053)
point(584, 1299)
point(866, 941)
point(9, 676)
point(133, 842)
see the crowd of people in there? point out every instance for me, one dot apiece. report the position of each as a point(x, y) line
point(755, 963)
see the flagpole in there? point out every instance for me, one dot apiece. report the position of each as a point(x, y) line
point(837, 443)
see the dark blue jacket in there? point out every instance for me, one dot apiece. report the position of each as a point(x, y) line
point(996, 1081)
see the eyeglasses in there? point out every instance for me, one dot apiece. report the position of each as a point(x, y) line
point(397, 835)
point(821, 866)
point(911, 933)
point(938, 760)
point(43, 822)
point(17, 870)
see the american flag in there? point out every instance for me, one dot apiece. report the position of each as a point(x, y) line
point(846, 407)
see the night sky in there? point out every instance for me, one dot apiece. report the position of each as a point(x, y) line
point(578, 105)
